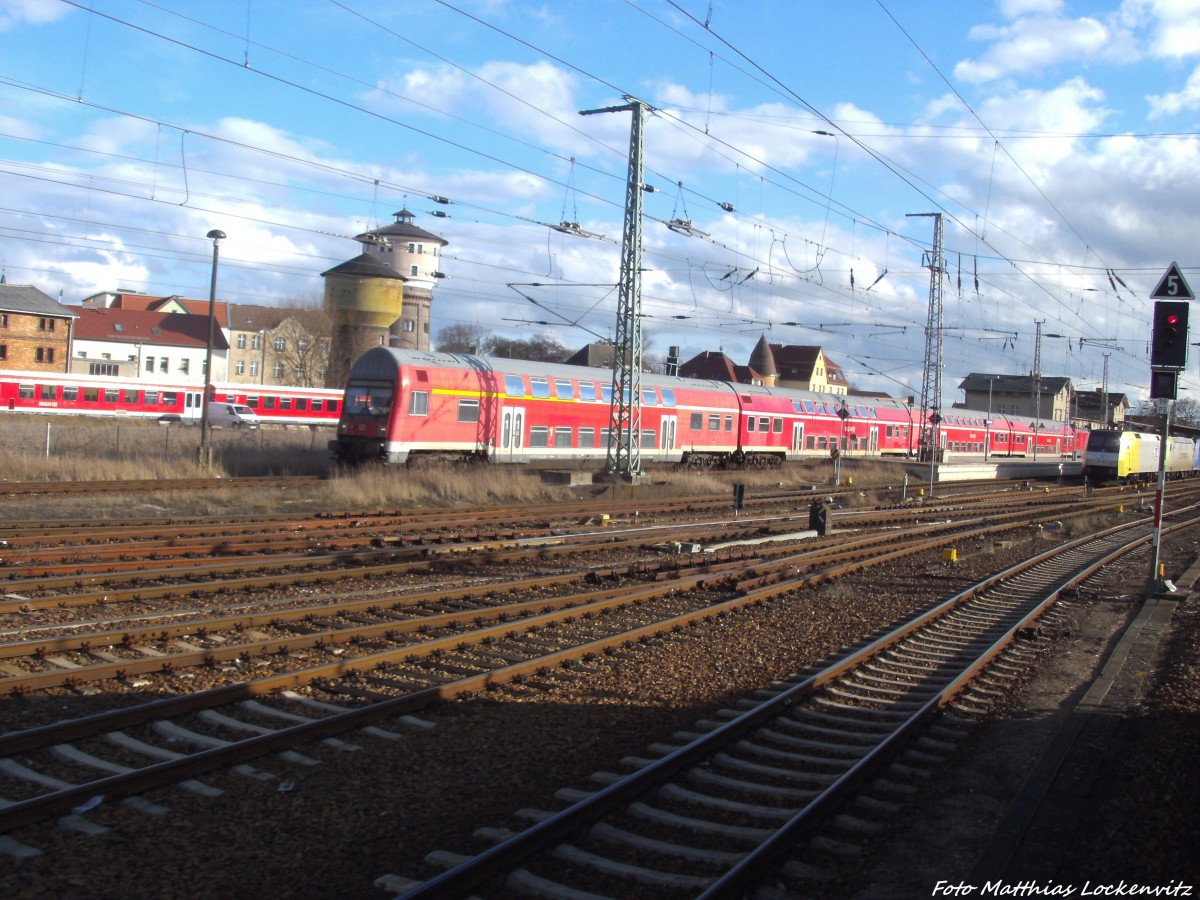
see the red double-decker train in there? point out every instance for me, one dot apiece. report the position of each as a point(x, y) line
point(148, 398)
point(402, 406)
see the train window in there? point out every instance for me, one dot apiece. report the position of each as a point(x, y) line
point(112, 395)
point(587, 438)
point(90, 395)
point(151, 398)
point(252, 402)
point(751, 423)
point(729, 422)
point(170, 398)
point(367, 400)
point(539, 436)
point(468, 409)
point(714, 422)
point(811, 443)
point(808, 408)
point(606, 393)
point(649, 397)
point(539, 387)
point(697, 421)
point(668, 397)
point(268, 402)
point(418, 403)
point(285, 402)
point(49, 392)
point(587, 391)
point(564, 389)
point(777, 426)
point(514, 386)
point(822, 442)
point(70, 394)
point(562, 437)
point(648, 439)
point(605, 437)
point(301, 404)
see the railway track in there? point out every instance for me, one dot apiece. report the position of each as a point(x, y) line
point(763, 796)
point(37, 655)
point(375, 662)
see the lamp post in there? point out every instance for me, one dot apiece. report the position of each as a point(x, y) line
point(216, 237)
point(987, 423)
point(262, 356)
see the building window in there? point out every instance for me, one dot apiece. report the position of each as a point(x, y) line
point(149, 363)
point(241, 342)
point(277, 370)
point(183, 367)
point(256, 342)
point(3, 351)
point(239, 368)
point(164, 365)
point(410, 326)
point(254, 368)
point(412, 270)
point(280, 344)
point(3, 320)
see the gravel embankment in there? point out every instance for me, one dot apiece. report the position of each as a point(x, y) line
point(340, 825)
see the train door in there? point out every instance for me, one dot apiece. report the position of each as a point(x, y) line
point(666, 440)
point(797, 437)
point(192, 404)
point(873, 440)
point(512, 431)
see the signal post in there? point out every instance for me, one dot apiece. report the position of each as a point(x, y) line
point(1168, 357)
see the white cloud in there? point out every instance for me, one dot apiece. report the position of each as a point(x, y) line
point(1033, 44)
point(1176, 101)
point(1173, 25)
point(32, 12)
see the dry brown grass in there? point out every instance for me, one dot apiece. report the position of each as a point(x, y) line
point(34, 448)
point(67, 448)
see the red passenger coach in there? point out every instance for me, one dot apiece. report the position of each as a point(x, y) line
point(148, 398)
point(284, 405)
point(96, 395)
point(404, 405)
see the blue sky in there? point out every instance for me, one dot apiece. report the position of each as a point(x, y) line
point(1058, 139)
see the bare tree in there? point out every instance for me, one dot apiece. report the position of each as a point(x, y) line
point(464, 337)
point(298, 348)
point(535, 349)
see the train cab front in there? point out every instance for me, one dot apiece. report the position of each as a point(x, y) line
point(363, 430)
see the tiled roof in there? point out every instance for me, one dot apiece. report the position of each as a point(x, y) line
point(136, 326)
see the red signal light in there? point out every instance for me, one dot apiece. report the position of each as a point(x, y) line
point(1172, 319)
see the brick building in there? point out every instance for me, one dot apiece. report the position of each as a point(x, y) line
point(35, 330)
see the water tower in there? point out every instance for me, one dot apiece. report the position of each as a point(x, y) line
point(415, 254)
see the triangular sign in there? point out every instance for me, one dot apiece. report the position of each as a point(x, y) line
point(1172, 286)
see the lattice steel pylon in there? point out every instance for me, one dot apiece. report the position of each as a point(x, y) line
point(931, 375)
point(625, 419)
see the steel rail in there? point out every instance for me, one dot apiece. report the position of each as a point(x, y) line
point(500, 859)
point(140, 780)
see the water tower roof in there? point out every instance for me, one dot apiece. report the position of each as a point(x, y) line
point(402, 229)
point(364, 266)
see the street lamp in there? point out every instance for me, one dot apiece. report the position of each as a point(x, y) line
point(216, 237)
point(987, 423)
